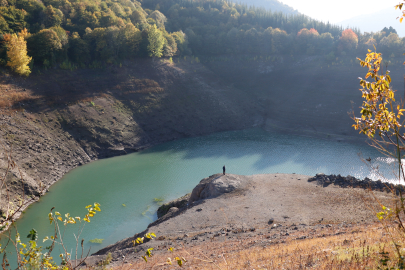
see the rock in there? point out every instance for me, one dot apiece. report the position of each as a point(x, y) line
point(271, 221)
point(214, 186)
point(172, 210)
point(179, 203)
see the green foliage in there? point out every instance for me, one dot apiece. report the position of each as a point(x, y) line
point(33, 236)
point(107, 31)
point(53, 17)
point(33, 256)
point(155, 42)
point(67, 65)
point(96, 241)
point(44, 45)
point(14, 18)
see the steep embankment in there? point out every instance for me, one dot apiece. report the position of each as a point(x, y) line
point(305, 95)
point(62, 119)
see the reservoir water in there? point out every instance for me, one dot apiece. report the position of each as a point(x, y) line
point(126, 186)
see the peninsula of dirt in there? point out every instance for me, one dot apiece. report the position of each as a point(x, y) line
point(229, 207)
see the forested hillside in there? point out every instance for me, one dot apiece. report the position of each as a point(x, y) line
point(84, 33)
point(273, 5)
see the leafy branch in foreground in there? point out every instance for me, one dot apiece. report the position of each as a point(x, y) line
point(381, 116)
point(33, 256)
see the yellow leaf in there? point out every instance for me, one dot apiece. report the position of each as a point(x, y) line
point(88, 206)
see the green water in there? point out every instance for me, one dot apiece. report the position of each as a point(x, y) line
point(172, 169)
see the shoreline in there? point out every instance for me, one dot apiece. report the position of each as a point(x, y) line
point(249, 210)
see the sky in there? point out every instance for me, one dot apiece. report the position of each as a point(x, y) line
point(337, 11)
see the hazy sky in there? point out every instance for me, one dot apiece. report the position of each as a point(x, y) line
point(336, 11)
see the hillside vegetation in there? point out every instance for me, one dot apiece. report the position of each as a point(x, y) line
point(273, 5)
point(83, 33)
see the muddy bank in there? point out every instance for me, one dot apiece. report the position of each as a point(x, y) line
point(235, 207)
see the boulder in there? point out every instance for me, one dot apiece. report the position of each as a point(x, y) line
point(214, 186)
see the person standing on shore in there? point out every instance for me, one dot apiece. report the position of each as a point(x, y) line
point(223, 169)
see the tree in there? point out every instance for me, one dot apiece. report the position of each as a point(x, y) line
point(307, 40)
point(391, 44)
point(381, 121)
point(43, 45)
point(78, 50)
point(130, 39)
point(4, 26)
point(155, 42)
point(348, 41)
point(325, 42)
point(170, 45)
point(53, 16)
point(14, 17)
point(159, 18)
point(388, 31)
point(17, 53)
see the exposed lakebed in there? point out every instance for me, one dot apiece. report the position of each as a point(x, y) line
point(130, 187)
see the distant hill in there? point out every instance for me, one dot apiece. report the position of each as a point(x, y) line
point(273, 5)
point(377, 21)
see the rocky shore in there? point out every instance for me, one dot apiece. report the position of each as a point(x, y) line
point(228, 207)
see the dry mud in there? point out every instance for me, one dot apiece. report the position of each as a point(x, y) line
point(274, 204)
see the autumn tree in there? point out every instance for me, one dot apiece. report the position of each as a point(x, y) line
point(348, 41)
point(381, 121)
point(18, 59)
point(307, 40)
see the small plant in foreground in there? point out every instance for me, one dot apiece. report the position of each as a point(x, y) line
point(33, 256)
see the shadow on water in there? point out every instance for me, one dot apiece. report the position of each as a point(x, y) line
point(269, 149)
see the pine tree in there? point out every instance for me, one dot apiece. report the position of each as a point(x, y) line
point(18, 59)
